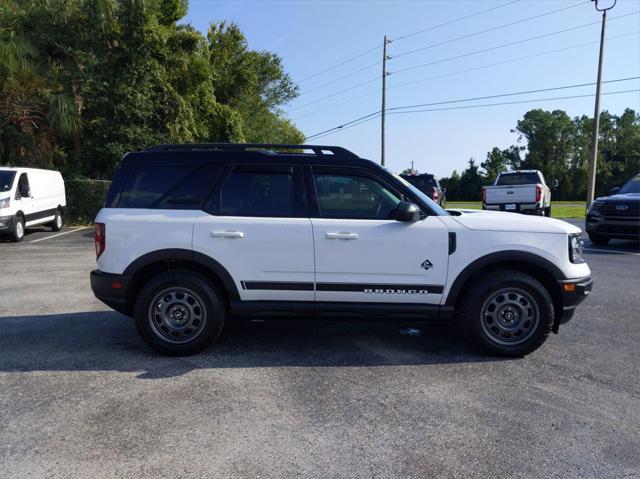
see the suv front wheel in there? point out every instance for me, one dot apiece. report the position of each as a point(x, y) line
point(179, 313)
point(508, 313)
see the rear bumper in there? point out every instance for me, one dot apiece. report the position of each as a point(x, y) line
point(7, 223)
point(518, 207)
point(574, 292)
point(112, 290)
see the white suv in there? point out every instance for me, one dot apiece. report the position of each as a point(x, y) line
point(195, 235)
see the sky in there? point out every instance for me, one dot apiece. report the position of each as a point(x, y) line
point(446, 58)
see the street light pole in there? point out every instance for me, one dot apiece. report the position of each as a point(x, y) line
point(595, 131)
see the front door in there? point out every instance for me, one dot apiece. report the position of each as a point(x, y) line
point(362, 254)
point(257, 228)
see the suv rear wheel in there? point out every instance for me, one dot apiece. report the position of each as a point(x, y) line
point(179, 313)
point(508, 314)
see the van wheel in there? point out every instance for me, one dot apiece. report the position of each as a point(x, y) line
point(56, 224)
point(179, 313)
point(18, 230)
point(508, 314)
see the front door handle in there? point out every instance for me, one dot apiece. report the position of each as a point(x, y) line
point(345, 236)
point(227, 234)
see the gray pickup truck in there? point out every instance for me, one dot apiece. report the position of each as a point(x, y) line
point(520, 191)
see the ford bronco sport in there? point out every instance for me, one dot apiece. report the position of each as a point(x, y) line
point(192, 236)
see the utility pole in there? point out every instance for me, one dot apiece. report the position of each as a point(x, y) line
point(595, 132)
point(383, 110)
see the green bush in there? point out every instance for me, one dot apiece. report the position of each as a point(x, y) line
point(84, 200)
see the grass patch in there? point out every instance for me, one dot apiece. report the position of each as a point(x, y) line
point(559, 209)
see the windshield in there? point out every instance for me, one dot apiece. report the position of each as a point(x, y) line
point(424, 198)
point(6, 180)
point(508, 179)
point(631, 186)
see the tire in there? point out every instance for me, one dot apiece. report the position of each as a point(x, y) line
point(17, 235)
point(599, 240)
point(189, 314)
point(508, 313)
point(548, 211)
point(56, 224)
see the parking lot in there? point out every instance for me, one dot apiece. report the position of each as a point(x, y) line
point(82, 396)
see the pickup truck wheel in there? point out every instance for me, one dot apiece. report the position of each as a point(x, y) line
point(508, 314)
point(599, 239)
point(547, 211)
point(179, 313)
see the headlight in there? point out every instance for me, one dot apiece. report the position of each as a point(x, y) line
point(4, 202)
point(575, 248)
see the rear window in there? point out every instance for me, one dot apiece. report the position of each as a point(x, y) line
point(166, 187)
point(510, 179)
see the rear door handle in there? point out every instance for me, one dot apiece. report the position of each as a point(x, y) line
point(345, 236)
point(227, 234)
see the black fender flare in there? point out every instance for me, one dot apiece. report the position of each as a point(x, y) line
point(496, 258)
point(184, 254)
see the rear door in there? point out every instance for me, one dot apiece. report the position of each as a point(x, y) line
point(362, 254)
point(256, 226)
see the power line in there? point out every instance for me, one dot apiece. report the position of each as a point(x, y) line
point(335, 130)
point(517, 42)
point(345, 128)
point(396, 110)
point(455, 20)
point(458, 72)
point(564, 87)
point(335, 94)
point(515, 102)
point(499, 27)
point(345, 124)
point(512, 60)
point(355, 57)
point(377, 47)
point(340, 78)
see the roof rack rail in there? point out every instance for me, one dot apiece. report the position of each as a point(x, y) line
point(319, 150)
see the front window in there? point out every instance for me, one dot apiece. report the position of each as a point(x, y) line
point(354, 197)
point(631, 186)
point(6, 180)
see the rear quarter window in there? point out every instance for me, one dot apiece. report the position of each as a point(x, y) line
point(166, 187)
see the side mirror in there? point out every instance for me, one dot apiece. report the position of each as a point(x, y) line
point(407, 212)
point(614, 190)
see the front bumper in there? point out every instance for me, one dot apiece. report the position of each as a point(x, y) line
point(620, 227)
point(112, 290)
point(7, 223)
point(574, 292)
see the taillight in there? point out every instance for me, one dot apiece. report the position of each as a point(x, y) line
point(483, 195)
point(99, 237)
point(538, 193)
point(435, 196)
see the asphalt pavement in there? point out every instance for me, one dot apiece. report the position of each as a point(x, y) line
point(82, 396)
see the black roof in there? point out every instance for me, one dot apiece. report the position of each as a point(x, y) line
point(203, 153)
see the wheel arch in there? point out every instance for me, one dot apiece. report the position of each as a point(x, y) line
point(538, 267)
point(153, 263)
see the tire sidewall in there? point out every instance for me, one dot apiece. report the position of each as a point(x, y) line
point(54, 224)
point(211, 302)
point(16, 236)
point(497, 281)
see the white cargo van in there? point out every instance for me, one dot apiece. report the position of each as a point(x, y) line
point(29, 197)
